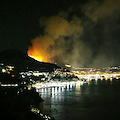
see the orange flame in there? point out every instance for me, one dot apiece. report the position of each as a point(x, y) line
point(36, 55)
point(39, 50)
point(36, 58)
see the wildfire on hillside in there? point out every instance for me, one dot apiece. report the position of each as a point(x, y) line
point(39, 49)
point(37, 55)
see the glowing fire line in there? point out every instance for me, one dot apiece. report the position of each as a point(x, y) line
point(38, 59)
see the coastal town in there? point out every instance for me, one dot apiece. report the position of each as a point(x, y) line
point(59, 75)
point(24, 86)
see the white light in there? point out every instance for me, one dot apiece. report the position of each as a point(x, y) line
point(23, 76)
point(3, 70)
point(9, 85)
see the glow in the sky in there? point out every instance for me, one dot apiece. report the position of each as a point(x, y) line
point(35, 55)
point(36, 58)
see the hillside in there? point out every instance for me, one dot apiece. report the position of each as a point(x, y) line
point(23, 62)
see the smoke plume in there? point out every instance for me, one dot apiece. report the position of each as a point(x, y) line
point(100, 9)
point(61, 41)
point(103, 21)
point(87, 40)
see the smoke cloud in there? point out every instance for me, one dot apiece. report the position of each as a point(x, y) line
point(105, 39)
point(101, 9)
point(89, 40)
point(61, 41)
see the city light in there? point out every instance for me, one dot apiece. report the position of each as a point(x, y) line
point(9, 85)
point(37, 111)
point(56, 84)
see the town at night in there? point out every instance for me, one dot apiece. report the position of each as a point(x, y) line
point(59, 60)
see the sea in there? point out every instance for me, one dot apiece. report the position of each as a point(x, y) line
point(93, 100)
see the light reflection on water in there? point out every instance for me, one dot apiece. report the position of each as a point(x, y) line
point(96, 100)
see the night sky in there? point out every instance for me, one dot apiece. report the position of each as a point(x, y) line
point(83, 33)
point(19, 21)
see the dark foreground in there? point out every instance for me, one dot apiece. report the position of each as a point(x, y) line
point(21, 104)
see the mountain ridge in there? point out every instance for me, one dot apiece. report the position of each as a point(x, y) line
point(23, 62)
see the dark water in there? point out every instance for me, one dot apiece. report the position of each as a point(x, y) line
point(97, 100)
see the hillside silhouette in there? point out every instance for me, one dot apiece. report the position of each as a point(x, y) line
point(22, 61)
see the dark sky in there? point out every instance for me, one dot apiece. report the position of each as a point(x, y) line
point(19, 20)
point(96, 44)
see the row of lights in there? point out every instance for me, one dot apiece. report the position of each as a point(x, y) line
point(37, 111)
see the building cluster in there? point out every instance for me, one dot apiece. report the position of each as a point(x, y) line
point(56, 75)
point(31, 77)
point(114, 69)
point(95, 74)
point(6, 68)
